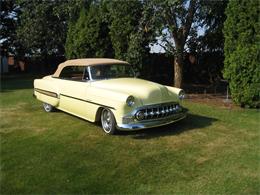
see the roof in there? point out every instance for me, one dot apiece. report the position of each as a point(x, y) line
point(87, 62)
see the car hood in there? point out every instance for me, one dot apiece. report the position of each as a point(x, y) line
point(147, 92)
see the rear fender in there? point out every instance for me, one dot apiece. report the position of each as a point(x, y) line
point(46, 91)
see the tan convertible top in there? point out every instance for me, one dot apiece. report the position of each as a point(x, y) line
point(86, 62)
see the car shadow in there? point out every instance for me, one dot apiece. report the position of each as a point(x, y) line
point(11, 83)
point(16, 84)
point(191, 122)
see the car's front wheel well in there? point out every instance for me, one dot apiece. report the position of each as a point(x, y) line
point(98, 114)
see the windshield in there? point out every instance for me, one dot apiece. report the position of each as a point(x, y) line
point(109, 71)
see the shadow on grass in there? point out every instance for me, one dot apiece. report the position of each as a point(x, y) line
point(15, 82)
point(16, 85)
point(191, 122)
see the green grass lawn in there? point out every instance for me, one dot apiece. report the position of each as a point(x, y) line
point(213, 151)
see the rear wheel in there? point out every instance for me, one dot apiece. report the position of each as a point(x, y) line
point(47, 107)
point(108, 121)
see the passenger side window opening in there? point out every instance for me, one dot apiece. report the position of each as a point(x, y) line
point(75, 73)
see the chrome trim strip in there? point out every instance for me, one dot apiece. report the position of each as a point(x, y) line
point(55, 95)
point(157, 105)
point(45, 92)
point(87, 101)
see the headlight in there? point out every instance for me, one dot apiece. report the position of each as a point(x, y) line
point(130, 101)
point(181, 95)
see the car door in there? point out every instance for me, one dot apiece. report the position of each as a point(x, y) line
point(73, 84)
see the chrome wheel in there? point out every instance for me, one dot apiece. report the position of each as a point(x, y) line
point(108, 121)
point(48, 107)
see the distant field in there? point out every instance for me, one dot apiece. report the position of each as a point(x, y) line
point(212, 151)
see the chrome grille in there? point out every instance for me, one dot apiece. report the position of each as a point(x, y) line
point(158, 111)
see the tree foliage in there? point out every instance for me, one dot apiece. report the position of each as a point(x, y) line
point(242, 42)
point(109, 29)
point(89, 36)
point(173, 21)
point(128, 32)
point(177, 24)
point(124, 21)
point(207, 42)
point(8, 25)
point(130, 27)
point(117, 29)
point(212, 16)
point(43, 26)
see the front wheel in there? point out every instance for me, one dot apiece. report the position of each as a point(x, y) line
point(47, 107)
point(108, 121)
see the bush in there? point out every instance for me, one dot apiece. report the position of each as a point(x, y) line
point(241, 66)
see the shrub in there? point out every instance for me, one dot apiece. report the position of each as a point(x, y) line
point(241, 66)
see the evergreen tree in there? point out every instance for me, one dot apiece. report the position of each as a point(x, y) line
point(128, 32)
point(124, 21)
point(89, 35)
point(242, 42)
point(109, 29)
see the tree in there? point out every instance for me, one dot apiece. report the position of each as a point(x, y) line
point(9, 20)
point(89, 35)
point(212, 17)
point(43, 27)
point(208, 46)
point(173, 22)
point(136, 51)
point(177, 24)
point(128, 33)
point(109, 29)
point(242, 40)
point(124, 21)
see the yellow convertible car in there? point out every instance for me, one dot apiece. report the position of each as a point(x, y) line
point(106, 90)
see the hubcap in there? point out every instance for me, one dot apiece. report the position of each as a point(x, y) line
point(47, 107)
point(106, 121)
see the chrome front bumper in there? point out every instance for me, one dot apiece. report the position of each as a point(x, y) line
point(154, 122)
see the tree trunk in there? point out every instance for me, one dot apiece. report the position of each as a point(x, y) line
point(178, 66)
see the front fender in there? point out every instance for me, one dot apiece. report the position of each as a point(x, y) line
point(115, 101)
point(174, 92)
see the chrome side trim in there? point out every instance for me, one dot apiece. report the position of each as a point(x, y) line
point(45, 92)
point(88, 101)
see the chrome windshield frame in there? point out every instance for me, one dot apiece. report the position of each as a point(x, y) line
point(92, 79)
